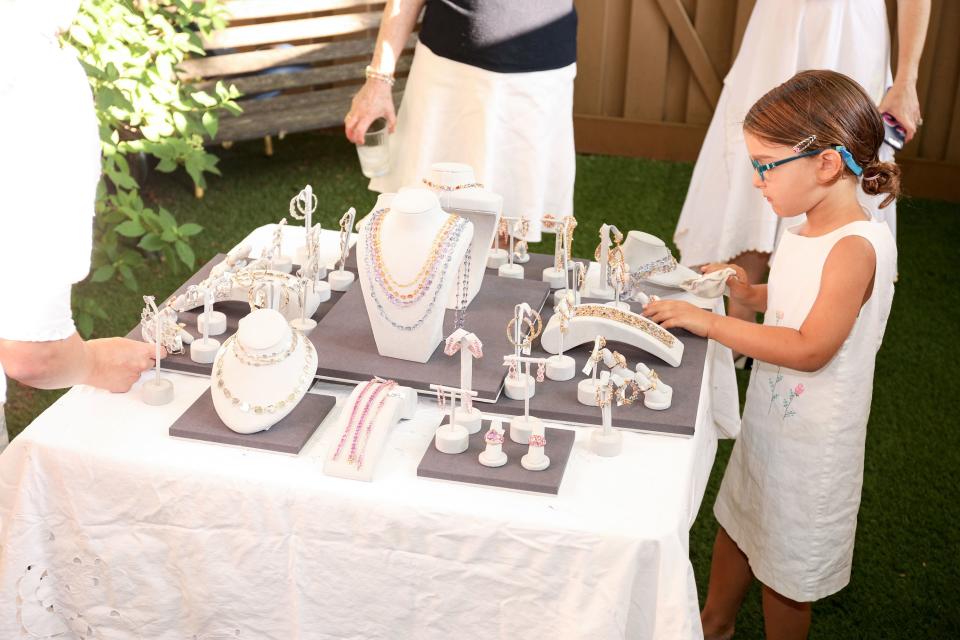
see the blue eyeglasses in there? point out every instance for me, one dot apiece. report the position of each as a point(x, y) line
point(847, 160)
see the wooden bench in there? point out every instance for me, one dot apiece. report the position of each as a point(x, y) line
point(297, 63)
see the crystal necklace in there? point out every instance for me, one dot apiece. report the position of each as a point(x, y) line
point(304, 379)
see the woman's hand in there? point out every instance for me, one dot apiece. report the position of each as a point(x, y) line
point(674, 313)
point(374, 100)
point(739, 284)
point(116, 363)
point(902, 103)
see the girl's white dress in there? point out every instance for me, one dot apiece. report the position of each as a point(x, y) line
point(724, 215)
point(791, 491)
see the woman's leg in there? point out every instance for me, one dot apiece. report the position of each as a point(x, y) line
point(730, 577)
point(755, 264)
point(783, 618)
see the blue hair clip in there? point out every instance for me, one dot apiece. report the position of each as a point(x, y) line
point(848, 160)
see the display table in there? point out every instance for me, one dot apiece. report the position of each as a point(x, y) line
point(108, 523)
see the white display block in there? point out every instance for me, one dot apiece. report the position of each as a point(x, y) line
point(204, 351)
point(556, 278)
point(215, 326)
point(470, 420)
point(305, 325)
point(587, 392)
point(510, 271)
point(452, 439)
point(496, 258)
point(561, 368)
point(521, 387)
point(341, 280)
point(521, 427)
point(157, 391)
point(607, 443)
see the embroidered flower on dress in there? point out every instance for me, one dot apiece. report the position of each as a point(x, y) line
point(799, 389)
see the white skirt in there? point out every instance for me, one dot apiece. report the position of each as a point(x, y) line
point(514, 129)
point(724, 215)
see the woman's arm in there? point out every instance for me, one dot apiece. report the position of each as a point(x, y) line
point(901, 101)
point(844, 286)
point(110, 363)
point(375, 99)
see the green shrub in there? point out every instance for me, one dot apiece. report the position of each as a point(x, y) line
point(130, 51)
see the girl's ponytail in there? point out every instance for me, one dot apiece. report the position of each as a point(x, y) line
point(881, 177)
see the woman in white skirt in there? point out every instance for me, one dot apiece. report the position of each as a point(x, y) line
point(491, 86)
point(724, 218)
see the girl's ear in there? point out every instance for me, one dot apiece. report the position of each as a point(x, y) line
point(829, 166)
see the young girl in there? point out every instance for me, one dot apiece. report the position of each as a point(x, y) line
point(788, 503)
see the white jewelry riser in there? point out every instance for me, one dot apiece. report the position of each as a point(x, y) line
point(451, 439)
point(408, 234)
point(301, 258)
point(283, 264)
point(585, 329)
point(587, 392)
point(511, 271)
point(319, 292)
point(493, 456)
point(561, 368)
point(521, 427)
point(557, 296)
point(521, 259)
point(471, 420)
point(263, 331)
point(305, 326)
point(157, 392)
point(496, 258)
point(520, 388)
point(606, 444)
point(217, 324)
point(341, 281)
point(554, 277)
point(536, 460)
point(658, 399)
point(640, 248)
point(401, 404)
point(204, 351)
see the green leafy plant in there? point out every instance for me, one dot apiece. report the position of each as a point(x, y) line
point(130, 51)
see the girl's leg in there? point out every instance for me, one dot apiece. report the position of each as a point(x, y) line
point(755, 264)
point(783, 618)
point(730, 577)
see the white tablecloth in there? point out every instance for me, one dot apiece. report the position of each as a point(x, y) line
point(108, 523)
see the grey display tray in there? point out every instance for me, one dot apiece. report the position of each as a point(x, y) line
point(201, 422)
point(465, 467)
point(347, 352)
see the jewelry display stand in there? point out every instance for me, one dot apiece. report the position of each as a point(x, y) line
point(497, 256)
point(210, 322)
point(261, 372)
point(159, 390)
point(535, 459)
point(657, 394)
point(467, 468)
point(519, 385)
point(620, 276)
point(631, 328)
point(460, 194)
point(274, 255)
point(493, 455)
point(451, 437)
point(302, 207)
point(205, 349)
point(587, 389)
point(369, 414)
point(560, 366)
point(605, 440)
point(602, 289)
point(651, 260)
point(522, 426)
point(470, 347)
point(409, 258)
point(304, 323)
point(511, 269)
point(341, 279)
point(558, 275)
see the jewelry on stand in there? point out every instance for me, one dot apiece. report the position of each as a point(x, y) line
point(619, 277)
point(204, 350)
point(560, 366)
point(458, 187)
point(274, 254)
point(470, 347)
point(302, 207)
point(372, 397)
point(635, 320)
point(657, 394)
point(341, 279)
point(535, 459)
point(557, 275)
point(428, 278)
point(586, 389)
point(463, 292)
point(520, 230)
point(605, 440)
point(522, 426)
point(497, 257)
point(493, 455)
point(510, 269)
point(157, 391)
point(453, 437)
point(263, 359)
point(609, 234)
point(303, 383)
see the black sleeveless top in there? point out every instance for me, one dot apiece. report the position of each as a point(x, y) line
point(507, 36)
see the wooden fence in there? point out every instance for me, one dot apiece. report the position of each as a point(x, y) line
point(650, 72)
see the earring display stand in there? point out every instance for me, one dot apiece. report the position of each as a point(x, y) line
point(562, 367)
point(511, 475)
point(158, 390)
point(602, 289)
point(451, 437)
point(522, 426)
point(558, 275)
point(470, 347)
point(341, 279)
point(519, 385)
point(205, 349)
point(302, 207)
point(605, 440)
point(511, 269)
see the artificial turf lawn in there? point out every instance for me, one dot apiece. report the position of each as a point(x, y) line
point(906, 570)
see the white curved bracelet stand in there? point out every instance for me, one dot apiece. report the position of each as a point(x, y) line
point(453, 437)
point(400, 404)
point(263, 331)
point(408, 231)
point(340, 279)
point(585, 328)
point(605, 440)
point(493, 455)
point(456, 186)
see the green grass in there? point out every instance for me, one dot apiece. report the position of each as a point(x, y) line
point(907, 560)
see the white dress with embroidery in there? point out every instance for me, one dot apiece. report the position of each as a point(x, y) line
point(791, 491)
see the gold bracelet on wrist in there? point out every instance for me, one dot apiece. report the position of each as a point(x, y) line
point(373, 74)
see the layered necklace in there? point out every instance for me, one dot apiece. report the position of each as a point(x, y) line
point(428, 278)
point(302, 383)
point(363, 417)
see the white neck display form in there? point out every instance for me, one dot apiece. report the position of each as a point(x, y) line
point(264, 331)
point(478, 205)
point(407, 234)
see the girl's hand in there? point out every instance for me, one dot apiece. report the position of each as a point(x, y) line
point(674, 313)
point(374, 100)
point(740, 287)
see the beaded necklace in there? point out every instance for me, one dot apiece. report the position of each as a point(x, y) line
point(304, 380)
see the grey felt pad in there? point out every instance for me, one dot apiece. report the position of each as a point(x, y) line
point(465, 467)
